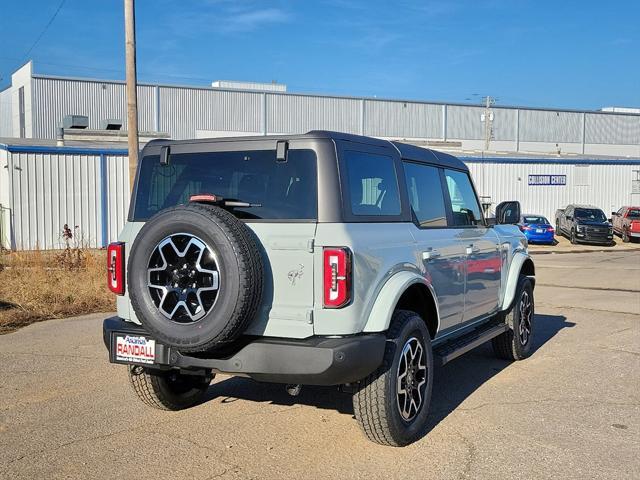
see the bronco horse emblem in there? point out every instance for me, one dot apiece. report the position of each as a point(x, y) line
point(294, 275)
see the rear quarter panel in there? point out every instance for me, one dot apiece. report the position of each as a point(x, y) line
point(380, 250)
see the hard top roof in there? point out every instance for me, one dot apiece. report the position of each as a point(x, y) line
point(409, 152)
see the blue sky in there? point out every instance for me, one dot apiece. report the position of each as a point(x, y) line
point(566, 54)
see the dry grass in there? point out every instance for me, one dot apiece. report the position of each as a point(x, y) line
point(40, 285)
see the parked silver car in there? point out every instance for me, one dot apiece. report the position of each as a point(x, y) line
point(320, 259)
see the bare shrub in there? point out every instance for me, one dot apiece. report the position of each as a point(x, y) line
point(40, 285)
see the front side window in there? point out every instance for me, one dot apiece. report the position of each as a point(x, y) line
point(276, 190)
point(464, 204)
point(373, 185)
point(425, 194)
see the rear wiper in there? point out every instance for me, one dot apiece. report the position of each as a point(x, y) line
point(240, 203)
point(213, 199)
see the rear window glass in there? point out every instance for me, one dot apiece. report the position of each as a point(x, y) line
point(633, 213)
point(278, 190)
point(535, 220)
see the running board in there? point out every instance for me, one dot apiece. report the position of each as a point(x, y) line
point(454, 348)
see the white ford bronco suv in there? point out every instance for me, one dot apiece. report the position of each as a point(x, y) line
point(317, 259)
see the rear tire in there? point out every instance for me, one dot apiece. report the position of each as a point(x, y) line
point(515, 343)
point(392, 404)
point(625, 236)
point(168, 390)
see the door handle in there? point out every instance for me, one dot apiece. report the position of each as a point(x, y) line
point(430, 254)
point(471, 250)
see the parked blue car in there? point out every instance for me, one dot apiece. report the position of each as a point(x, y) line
point(537, 229)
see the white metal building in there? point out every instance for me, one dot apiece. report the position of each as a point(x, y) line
point(44, 187)
point(34, 106)
point(544, 158)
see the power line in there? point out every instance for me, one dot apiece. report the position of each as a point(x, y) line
point(46, 27)
point(44, 30)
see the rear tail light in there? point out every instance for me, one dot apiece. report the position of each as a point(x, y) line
point(525, 228)
point(115, 267)
point(550, 229)
point(337, 277)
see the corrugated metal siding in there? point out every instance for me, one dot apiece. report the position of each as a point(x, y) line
point(546, 126)
point(463, 123)
point(612, 129)
point(505, 181)
point(118, 194)
point(299, 114)
point(50, 190)
point(6, 120)
point(504, 124)
point(402, 119)
point(55, 98)
point(185, 110)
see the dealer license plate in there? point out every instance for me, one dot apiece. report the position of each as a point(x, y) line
point(134, 349)
point(539, 230)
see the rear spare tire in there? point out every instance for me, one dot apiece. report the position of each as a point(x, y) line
point(195, 277)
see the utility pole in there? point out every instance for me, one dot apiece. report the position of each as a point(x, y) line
point(487, 118)
point(132, 94)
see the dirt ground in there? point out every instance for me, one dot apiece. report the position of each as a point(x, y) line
point(571, 411)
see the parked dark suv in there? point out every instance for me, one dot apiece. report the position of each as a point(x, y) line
point(584, 223)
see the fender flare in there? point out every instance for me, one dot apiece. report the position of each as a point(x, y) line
point(509, 290)
point(379, 317)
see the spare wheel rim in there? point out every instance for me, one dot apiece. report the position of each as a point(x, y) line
point(183, 278)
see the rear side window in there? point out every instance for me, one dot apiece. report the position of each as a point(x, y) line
point(373, 185)
point(279, 190)
point(425, 194)
point(464, 204)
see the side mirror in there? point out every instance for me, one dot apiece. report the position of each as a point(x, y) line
point(569, 217)
point(613, 214)
point(508, 213)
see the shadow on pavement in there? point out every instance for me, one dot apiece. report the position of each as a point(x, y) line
point(453, 383)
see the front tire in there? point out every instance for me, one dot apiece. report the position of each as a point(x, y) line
point(573, 238)
point(515, 343)
point(168, 390)
point(392, 404)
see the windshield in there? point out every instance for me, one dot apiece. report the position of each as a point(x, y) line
point(276, 190)
point(590, 214)
point(633, 213)
point(537, 220)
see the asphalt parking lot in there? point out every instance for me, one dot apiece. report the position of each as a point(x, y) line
point(570, 411)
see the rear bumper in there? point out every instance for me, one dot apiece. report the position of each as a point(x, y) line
point(310, 361)
point(542, 238)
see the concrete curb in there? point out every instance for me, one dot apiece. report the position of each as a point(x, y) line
point(561, 252)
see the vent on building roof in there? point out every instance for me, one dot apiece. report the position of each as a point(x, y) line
point(75, 121)
point(111, 124)
point(262, 87)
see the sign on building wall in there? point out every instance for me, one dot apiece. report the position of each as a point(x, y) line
point(547, 179)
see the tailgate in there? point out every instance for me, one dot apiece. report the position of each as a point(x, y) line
point(288, 289)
